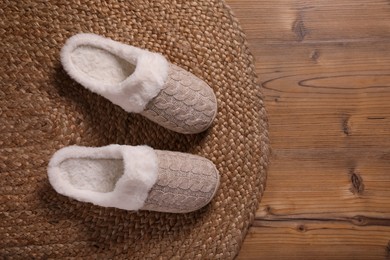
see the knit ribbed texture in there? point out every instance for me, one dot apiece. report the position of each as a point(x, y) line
point(185, 183)
point(185, 104)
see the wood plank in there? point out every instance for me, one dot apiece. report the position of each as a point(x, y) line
point(318, 20)
point(324, 67)
point(315, 240)
point(329, 130)
point(344, 106)
point(324, 131)
point(275, 59)
point(325, 188)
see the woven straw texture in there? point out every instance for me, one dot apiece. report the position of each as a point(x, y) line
point(42, 110)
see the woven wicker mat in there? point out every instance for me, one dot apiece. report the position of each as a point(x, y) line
point(42, 110)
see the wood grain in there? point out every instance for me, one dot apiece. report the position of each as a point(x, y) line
point(324, 67)
point(315, 240)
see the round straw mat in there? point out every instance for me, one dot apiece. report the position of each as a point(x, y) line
point(42, 110)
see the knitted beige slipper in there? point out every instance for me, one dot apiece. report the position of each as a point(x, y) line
point(134, 178)
point(140, 81)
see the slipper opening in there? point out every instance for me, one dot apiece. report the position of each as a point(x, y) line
point(101, 65)
point(99, 175)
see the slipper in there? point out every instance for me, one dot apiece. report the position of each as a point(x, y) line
point(140, 81)
point(134, 177)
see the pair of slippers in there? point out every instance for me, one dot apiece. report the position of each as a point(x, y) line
point(137, 177)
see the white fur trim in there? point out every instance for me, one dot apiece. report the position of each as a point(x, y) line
point(131, 93)
point(130, 190)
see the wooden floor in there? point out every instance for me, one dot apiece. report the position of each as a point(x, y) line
point(324, 67)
